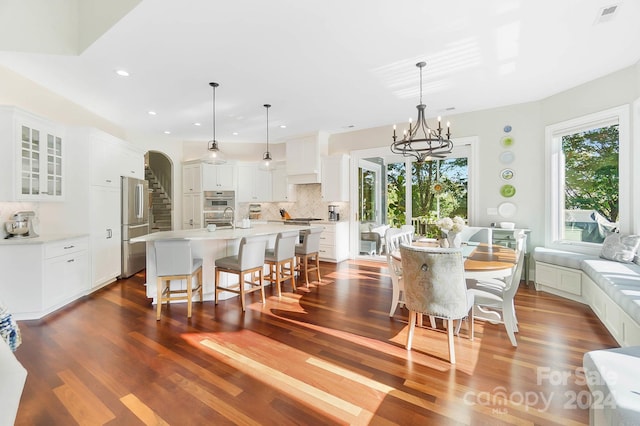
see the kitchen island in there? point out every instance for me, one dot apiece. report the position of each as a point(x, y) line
point(209, 246)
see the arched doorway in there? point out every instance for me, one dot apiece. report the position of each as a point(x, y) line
point(158, 171)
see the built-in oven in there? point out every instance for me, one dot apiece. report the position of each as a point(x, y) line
point(219, 208)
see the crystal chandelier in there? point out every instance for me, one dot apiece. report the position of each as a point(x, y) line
point(421, 141)
point(214, 156)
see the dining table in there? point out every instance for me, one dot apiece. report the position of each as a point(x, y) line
point(482, 260)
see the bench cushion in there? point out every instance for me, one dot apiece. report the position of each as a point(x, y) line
point(621, 281)
point(560, 258)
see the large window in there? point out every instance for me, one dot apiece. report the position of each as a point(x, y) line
point(585, 174)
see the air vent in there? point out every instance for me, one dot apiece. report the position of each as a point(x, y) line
point(607, 13)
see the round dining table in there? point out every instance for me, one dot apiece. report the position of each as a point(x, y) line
point(481, 260)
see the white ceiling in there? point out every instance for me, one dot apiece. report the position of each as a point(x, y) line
point(331, 65)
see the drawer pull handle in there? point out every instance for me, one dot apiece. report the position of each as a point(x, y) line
point(69, 247)
point(71, 260)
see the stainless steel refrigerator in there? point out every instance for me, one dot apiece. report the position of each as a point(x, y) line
point(135, 222)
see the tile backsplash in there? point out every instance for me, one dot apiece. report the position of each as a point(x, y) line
point(308, 204)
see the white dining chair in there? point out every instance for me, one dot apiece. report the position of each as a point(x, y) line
point(477, 234)
point(434, 285)
point(494, 298)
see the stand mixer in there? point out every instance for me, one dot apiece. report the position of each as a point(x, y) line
point(21, 225)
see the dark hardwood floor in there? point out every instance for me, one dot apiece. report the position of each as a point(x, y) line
point(324, 355)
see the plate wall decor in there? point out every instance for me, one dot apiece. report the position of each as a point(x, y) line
point(506, 174)
point(508, 191)
point(507, 157)
point(507, 210)
point(507, 141)
point(507, 128)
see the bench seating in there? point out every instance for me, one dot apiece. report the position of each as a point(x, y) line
point(610, 288)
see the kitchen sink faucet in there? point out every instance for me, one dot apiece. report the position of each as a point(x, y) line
point(233, 216)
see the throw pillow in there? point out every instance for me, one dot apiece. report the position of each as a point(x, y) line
point(621, 248)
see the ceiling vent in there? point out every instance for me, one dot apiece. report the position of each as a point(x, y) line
point(607, 13)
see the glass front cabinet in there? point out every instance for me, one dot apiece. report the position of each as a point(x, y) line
point(38, 162)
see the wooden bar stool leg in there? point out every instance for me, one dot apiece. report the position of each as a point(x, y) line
point(241, 282)
point(189, 281)
point(318, 266)
point(159, 298)
point(216, 281)
point(261, 277)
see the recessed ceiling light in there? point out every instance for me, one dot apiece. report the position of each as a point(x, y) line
point(151, 113)
point(196, 124)
point(167, 132)
point(282, 126)
point(235, 133)
point(122, 73)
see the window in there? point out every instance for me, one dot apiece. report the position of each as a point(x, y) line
point(587, 199)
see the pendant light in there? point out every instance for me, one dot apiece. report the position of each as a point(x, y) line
point(266, 158)
point(214, 156)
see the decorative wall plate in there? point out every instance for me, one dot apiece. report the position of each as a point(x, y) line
point(507, 157)
point(507, 210)
point(508, 191)
point(507, 141)
point(506, 174)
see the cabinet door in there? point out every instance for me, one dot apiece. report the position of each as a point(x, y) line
point(65, 277)
point(335, 178)
point(106, 242)
point(103, 162)
point(131, 163)
point(281, 190)
point(254, 184)
point(41, 173)
point(226, 177)
point(192, 211)
point(191, 178)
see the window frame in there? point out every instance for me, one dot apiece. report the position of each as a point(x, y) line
point(554, 175)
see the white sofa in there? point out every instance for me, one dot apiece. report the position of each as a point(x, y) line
point(12, 380)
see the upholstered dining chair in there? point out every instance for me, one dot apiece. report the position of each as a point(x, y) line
point(308, 253)
point(494, 298)
point(392, 239)
point(434, 285)
point(281, 261)
point(250, 260)
point(174, 261)
point(477, 234)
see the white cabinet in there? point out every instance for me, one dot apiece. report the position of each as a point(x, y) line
point(66, 271)
point(254, 184)
point(131, 162)
point(566, 280)
point(192, 211)
point(32, 162)
point(39, 278)
point(303, 158)
point(218, 177)
point(191, 178)
point(335, 178)
point(106, 234)
point(281, 189)
point(334, 241)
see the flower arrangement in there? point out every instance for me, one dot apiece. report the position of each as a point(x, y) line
point(448, 224)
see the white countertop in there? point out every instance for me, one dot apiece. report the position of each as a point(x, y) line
point(42, 239)
point(220, 234)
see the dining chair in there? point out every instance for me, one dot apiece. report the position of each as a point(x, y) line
point(249, 260)
point(392, 238)
point(308, 253)
point(280, 260)
point(434, 285)
point(174, 261)
point(494, 298)
point(477, 234)
point(409, 230)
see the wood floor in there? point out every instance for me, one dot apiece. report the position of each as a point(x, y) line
point(329, 354)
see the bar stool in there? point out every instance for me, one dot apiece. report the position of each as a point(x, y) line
point(309, 251)
point(281, 259)
point(174, 261)
point(250, 260)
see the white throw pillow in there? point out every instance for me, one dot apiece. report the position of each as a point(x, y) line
point(621, 248)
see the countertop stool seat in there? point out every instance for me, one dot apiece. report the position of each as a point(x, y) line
point(174, 261)
point(250, 260)
point(308, 253)
point(281, 260)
